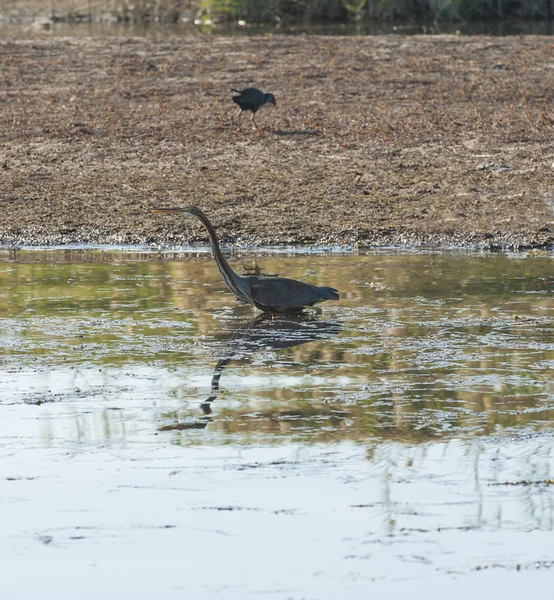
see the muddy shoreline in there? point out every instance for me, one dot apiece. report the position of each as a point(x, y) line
point(439, 140)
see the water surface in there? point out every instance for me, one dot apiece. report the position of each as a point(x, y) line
point(402, 437)
point(46, 27)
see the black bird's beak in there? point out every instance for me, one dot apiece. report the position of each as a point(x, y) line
point(169, 210)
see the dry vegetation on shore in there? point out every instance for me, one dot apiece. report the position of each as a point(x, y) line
point(375, 140)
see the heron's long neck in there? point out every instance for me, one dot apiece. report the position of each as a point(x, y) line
point(229, 276)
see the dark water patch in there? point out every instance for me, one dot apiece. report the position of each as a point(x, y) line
point(45, 26)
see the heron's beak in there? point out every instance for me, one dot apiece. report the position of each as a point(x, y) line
point(170, 210)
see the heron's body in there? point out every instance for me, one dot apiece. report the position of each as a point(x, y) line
point(252, 99)
point(279, 294)
point(268, 294)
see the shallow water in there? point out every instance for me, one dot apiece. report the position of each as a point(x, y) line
point(46, 28)
point(150, 420)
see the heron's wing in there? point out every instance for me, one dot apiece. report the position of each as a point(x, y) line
point(282, 293)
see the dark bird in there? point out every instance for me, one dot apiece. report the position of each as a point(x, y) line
point(252, 99)
point(269, 294)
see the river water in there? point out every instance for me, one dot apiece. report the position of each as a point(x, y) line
point(157, 437)
point(46, 27)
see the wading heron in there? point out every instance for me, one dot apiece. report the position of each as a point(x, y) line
point(268, 294)
point(252, 99)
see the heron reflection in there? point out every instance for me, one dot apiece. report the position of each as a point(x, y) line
point(266, 332)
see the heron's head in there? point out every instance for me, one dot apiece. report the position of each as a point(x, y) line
point(193, 211)
point(270, 98)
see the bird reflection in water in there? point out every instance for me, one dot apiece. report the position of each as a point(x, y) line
point(265, 332)
point(269, 333)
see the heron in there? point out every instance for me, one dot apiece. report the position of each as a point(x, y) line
point(268, 294)
point(252, 99)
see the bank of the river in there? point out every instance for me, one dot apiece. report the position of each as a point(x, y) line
point(374, 140)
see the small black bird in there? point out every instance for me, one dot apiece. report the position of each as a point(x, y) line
point(252, 99)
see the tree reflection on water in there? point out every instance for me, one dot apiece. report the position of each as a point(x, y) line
point(429, 346)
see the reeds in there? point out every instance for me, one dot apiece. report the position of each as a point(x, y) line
point(278, 11)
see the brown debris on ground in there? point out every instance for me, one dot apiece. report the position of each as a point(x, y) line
point(375, 140)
